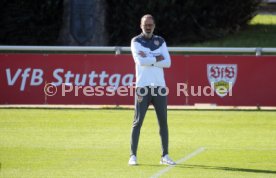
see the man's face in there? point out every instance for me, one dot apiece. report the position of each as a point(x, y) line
point(147, 26)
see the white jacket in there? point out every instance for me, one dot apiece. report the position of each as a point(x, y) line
point(148, 71)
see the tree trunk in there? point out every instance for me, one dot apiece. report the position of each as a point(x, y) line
point(83, 23)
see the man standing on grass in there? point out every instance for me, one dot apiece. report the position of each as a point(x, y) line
point(151, 55)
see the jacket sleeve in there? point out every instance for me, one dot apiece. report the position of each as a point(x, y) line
point(166, 63)
point(142, 61)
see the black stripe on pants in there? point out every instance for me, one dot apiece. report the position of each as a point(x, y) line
point(143, 98)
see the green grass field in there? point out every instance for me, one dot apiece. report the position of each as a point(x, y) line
point(260, 32)
point(36, 143)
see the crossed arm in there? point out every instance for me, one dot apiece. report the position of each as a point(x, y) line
point(162, 60)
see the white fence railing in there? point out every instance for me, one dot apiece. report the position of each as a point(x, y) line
point(119, 49)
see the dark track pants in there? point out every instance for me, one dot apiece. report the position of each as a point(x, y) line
point(142, 101)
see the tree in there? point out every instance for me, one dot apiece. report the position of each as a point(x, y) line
point(179, 21)
point(30, 22)
point(83, 23)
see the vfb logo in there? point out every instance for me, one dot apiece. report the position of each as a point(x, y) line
point(222, 77)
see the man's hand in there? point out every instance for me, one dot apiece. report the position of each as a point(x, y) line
point(159, 58)
point(142, 54)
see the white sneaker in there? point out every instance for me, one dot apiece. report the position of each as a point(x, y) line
point(167, 160)
point(132, 160)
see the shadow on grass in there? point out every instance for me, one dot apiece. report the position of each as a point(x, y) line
point(151, 165)
point(228, 169)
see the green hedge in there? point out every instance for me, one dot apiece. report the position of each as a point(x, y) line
point(36, 22)
point(179, 21)
point(30, 22)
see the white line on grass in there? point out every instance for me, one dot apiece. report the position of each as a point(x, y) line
point(163, 171)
